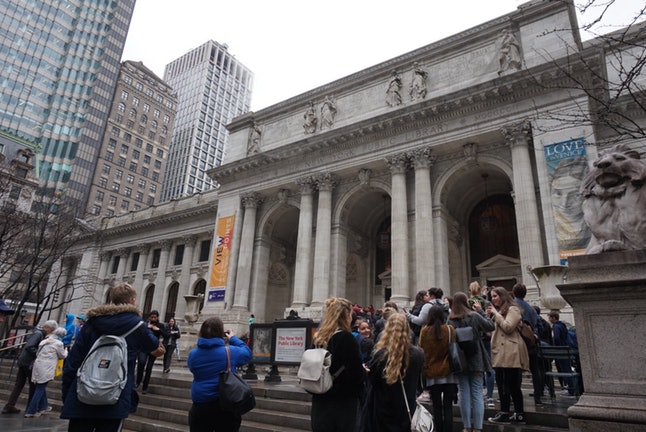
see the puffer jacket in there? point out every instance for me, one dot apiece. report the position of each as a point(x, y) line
point(50, 350)
point(508, 350)
point(107, 319)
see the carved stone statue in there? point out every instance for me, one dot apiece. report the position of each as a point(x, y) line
point(509, 55)
point(310, 120)
point(253, 146)
point(328, 113)
point(393, 92)
point(614, 205)
point(418, 83)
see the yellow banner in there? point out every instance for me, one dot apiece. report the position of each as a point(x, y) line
point(220, 264)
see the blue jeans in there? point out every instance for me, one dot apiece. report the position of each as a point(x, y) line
point(39, 400)
point(471, 400)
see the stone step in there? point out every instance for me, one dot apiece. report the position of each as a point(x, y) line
point(281, 406)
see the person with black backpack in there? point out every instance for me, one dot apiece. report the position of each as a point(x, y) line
point(119, 317)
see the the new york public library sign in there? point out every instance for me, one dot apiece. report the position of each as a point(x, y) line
point(282, 342)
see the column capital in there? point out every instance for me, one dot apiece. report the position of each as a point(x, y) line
point(326, 181)
point(517, 134)
point(122, 251)
point(305, 185)
point(165, 244)
point(283, 196)
point(398, 163)
point(105, 256)
point(423, 158)
point(251, 199)
point(190, 240)
point(142, 248)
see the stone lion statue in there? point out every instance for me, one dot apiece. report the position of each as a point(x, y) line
point(614, 205)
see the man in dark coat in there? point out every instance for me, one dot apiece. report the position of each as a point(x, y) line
point(115, 318)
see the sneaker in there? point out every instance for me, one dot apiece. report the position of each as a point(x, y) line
point(501, 418)
point(538, 402)
point(10, 410)
point(46, 410)
point(424, 398)
point(32, 415)
point(518, 418)
point(490, 403)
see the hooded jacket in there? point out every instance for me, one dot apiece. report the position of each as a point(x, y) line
point(69, 328)
point(208, 360)
point(50, 350)
point(108, 319)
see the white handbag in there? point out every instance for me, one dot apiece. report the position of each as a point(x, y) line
point(422, 420)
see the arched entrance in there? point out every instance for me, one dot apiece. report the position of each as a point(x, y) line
point(171, 304)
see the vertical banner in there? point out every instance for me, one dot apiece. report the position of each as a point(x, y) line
point(221, 255)
point(566, 167)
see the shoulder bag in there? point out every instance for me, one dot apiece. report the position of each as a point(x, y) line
point(236, 395)
point(422, 420)
point(457, 358)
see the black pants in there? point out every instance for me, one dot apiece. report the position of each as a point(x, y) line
point(145, 365)
point(209, 417)
point(509, 381)
point(442, 396)
point(334, 414)
point(168, 355)
point(537, 368)
point(23, 375)
point(95, 425)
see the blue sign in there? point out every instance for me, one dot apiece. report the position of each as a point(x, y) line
point(216, 295)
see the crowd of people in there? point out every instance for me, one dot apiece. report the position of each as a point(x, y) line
point(386, 359)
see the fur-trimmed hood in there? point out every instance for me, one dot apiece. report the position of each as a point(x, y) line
point(112, 309)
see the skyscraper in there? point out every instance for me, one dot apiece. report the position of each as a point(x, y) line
point(212, 88)
point(59, 60)
point(135, 147)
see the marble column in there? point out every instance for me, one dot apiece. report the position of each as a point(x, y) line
point(303, 265)
point(160, 281)
point(528, 224)
point(398, 165)
point(250, 202)
point(325, 183)
point(121, 268)
point(143, 251)
point(185, 275)
point(441, 231)
point(425, 256)
point(104, 258)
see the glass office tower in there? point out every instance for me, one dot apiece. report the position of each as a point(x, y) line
point(59, 62)
point(212, 88)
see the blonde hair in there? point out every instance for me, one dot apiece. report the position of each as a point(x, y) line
point(335, 317)
point(475, 289)
point(395, 342)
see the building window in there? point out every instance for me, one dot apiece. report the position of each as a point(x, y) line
point(139, 86)
point(153, 187)
point(139, 196)
point(109, 212)
point(122, 161)
point(116, 131)
point(113, 200)
point(151, 200)
point(156, 258)
point(135, 154)
point(155, 176)
point(143, 119)
point(144, 171)
point(205, 250)
point(118, 174)
point(103, 182)
point(109, 156)
point(99, 196)
point(133, 166)
point(135, 261)
point(96, 210)
point(115, 264)
point(160, 153)
point(127, 137)
point(130, 179)
point(156, 113)
point(138, 142)
point(149, 148)
point(106, 169)
point(121, 107)
point(127, 79)
point(125, 205)
point(142, 183)
point(124, 148)
point(166, 119)
point(179, 254)
point(127, 191)
point(146, 107)
point(135, 101)
point(124, 95)
point(116, 186)
point(147, 159)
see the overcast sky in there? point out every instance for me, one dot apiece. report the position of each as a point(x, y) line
point(293, 46)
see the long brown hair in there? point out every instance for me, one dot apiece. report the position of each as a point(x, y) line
point(505, 300)
point(336, 314)
point(460, 306)
point(395, 342)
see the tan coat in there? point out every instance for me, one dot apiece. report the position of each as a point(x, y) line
point(508, 349)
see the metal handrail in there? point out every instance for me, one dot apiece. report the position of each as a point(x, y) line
point(12, 347)
point(2, 341)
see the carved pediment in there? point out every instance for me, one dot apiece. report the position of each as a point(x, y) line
point(498, 262)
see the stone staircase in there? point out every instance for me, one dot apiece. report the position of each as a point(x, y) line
point(281, 406)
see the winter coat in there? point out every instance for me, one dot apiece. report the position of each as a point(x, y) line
point(436, 351)
point(69, 328)
point(209, 359)
point(479, 361)
point(28, 353)
point(108, 319)
point(50, 350)
point(385, 409)
point(508, 350)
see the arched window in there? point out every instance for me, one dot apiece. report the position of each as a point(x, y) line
point(133, 113)
point(121, 107)
point(143, 119)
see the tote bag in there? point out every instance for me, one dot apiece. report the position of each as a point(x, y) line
point(457, 358)
point(235, 394)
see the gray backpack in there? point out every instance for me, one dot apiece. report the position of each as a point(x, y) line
point(104, 371)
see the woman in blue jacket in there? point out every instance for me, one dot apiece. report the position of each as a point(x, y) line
point(205, 363)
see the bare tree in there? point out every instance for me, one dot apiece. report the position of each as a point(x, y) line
point(31, 242)
point(603, 75)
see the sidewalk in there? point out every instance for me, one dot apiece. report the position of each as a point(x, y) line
point(46, 423)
